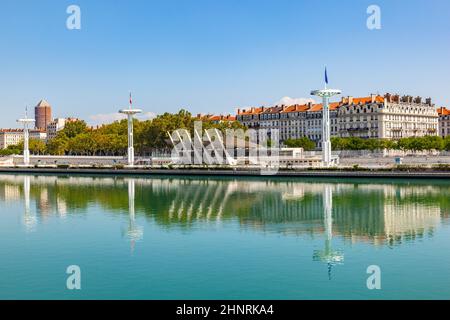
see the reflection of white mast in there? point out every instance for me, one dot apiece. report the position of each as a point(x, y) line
point(30, 220)
point(327, 255)
point(135, 232)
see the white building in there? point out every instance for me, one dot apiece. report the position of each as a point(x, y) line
point(57, 125)
point(388, 117)
point(38, 135)
point(383, 117)
point(9, 137)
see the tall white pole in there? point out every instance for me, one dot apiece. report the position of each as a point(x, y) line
point(130, 141)
point(326, 139)
point(325, 94)
point(130, 112)
point(26, 150)
point(26, 136)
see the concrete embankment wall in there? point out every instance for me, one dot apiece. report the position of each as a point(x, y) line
point(231, 173)
point(71, 160)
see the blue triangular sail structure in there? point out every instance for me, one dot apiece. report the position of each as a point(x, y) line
point(326, 75)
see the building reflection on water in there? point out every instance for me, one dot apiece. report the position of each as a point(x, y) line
point(358, 211)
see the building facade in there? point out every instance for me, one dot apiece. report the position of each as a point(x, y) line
point(43, 115)
point(383, 117)
point(38, 135)
point(444, 122)
point(388, 117)
point(57, 125)
point(10, 137)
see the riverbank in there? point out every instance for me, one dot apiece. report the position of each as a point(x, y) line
point(415, 173)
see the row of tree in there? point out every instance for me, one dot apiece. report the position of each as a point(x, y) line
point(406, 144)
point(78, 139)
point(151, 135)
point(426, 143)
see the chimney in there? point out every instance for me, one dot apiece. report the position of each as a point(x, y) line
point(350, 100)
point(238, 111)
point(373, 97)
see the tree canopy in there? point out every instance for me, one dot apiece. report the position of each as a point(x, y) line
point(78, 139)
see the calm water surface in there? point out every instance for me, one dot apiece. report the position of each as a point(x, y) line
point(196, 238)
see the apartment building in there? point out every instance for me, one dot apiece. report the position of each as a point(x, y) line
point(375, 116)
point(388, 117)
point(57, 125)
point(444, 122)
point(9, 137)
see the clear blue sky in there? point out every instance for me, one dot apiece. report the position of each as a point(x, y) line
point(215, 55)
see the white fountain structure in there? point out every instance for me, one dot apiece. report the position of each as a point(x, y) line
point(326, 94)
point(26, 151)
point(130, 112)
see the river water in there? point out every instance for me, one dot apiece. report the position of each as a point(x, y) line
point(223, 238)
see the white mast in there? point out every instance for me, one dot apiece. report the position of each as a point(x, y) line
point(26, 152)
point(326, 94)
point(130, 112)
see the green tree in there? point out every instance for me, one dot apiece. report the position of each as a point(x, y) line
point(72, 129)
point(447, 143)
point(304, 142)
point(58, 145)
point(37, 146)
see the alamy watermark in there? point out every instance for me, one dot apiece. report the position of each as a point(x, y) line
point(374, 280)
point(374, 19)
point(74, 280)
point(253, 148)
point(73, 22)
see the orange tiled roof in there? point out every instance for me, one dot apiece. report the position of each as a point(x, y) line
point(442, 111)
point(251, 111)
point(296, 108)
point(310, 108)
point(216, 117)
point(365, 100)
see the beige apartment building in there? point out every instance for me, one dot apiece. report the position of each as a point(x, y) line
point(375, 116)
point(9, 137)
point(388, 117)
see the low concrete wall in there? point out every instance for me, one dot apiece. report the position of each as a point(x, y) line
point(235, 173)
point(71, 160)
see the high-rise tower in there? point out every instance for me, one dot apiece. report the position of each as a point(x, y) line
point(43, 114)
